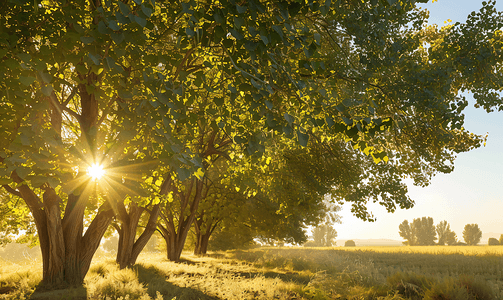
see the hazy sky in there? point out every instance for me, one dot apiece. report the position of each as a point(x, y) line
point(472, 193)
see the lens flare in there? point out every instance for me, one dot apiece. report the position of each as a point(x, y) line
point(96, 171)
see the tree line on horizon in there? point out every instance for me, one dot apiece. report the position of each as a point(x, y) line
point(423, 232)
point(225, 117)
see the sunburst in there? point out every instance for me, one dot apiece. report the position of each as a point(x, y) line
point(96, 171)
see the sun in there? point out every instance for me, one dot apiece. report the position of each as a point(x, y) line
point(96, 171)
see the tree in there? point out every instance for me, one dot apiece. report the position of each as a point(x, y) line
point(445, 234)
point(501, 239)
point(493, 242)
point(324, 235)
point(472, 234)
point(405, 232)
point(349, 243)
point(420, 232)
point(451, 238)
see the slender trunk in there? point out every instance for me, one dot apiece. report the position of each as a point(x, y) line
point(175, 241)
point(175, 234)
point(202, 239)
point(202, 243)
point(129, 249)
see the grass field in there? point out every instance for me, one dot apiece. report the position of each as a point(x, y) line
point(434, 272)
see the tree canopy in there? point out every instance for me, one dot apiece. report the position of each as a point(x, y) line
point(472, 234)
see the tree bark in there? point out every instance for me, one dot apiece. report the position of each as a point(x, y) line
point(129, 249)
point(175, 234)
point(203, 238)
point(66, 253)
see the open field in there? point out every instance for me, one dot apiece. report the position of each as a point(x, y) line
point(283, 273)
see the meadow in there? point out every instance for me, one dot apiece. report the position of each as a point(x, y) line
point(434, 272)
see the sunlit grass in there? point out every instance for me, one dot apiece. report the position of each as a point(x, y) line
point(287, 273)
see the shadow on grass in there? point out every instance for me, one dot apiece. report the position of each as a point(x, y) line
point(155, 281)
point(69, 293)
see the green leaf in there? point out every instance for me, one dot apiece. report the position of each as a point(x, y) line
point(290, 119)
point(241, 9)
point(37, 181)
point(146, 10)
point(264, 39)
point(25, 57)
point(47, 90)
point(142, 22)
point(95, 58)
point(218, 18)
point(22, 172)
point(183, 173)
point(124, 8)
point(26, 80)
point(53, 182)
point(87, 39)
point(317, 38)
point(114, 25)
point(45, 77)
point(117, 37)
point(303, 138)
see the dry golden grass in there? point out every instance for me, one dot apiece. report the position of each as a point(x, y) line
point(283, 273)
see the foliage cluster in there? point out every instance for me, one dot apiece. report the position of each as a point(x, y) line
point(349, 243)
point(472, 234)
point(493, 242)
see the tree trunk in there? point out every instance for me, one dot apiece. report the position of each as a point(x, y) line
point(175, 234)
point(203, 239)
point(66, 253)
point(202, 244)
point(175, 241)
point(129, 249)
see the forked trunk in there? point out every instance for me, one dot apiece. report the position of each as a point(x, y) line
point(203, 236)
point(175, 241)
point(129, 249)
point(175, 233)
point(66, 253)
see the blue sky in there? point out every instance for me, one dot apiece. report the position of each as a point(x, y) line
point(473, 193)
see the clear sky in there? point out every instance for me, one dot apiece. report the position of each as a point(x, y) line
point(473, 192)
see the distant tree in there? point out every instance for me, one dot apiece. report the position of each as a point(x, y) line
point(324, 235)
point(493, 242)
point(420, 232)
point(472, 234)
point(424, 230)
point(451, 238)
point(405, 231)
point(445, 234)
point(309, 243)
point(501, 239)
point(349, 243)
